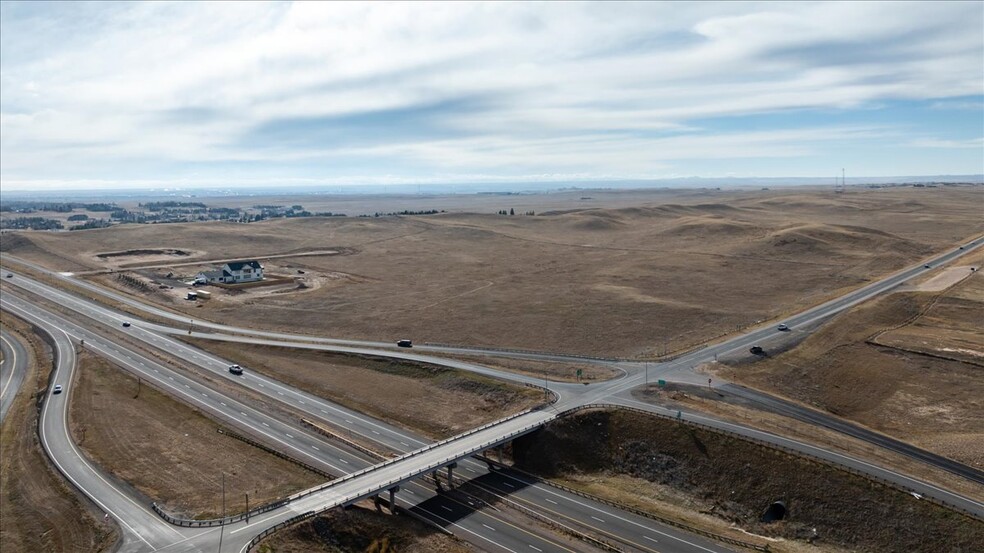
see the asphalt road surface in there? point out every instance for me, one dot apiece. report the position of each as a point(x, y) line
point(485, 529)
point(396, 472)
point(12, 370)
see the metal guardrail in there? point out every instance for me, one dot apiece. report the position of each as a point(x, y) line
point(274, 452)
point(787, 450)
point(338, 437)
point(279, 526)
point(208, 523)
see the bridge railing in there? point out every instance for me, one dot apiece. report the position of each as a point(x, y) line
point(412, 454)
point(444, 461)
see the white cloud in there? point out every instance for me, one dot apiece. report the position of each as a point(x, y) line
point(556, 88)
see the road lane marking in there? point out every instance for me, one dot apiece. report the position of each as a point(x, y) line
point(598, 519)
point(489, 527)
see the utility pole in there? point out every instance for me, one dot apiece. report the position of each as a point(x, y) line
point(247, 507)
point(222, 526)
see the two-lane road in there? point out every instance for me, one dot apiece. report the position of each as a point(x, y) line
point(12, 370)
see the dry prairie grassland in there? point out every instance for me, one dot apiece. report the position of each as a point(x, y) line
point(40, 510)
point(170, 452)
point(909, 364)
point(667, 274)
point(433, 400)
point(360, 530)
point(724, 483)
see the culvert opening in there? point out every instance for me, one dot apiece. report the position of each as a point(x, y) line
point(774, 512)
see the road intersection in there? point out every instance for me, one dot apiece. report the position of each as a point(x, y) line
point(419, 457)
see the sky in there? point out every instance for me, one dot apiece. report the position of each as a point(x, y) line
point(143, 94)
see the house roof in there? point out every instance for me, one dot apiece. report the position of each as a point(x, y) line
point(211, 274)
point(238, 265)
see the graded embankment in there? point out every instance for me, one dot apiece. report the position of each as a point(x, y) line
point(735, 481)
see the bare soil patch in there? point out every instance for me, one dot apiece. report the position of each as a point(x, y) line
point(40, 511)
point(170, 452)
point(436, 401)
point(359, 530)
point(735, 481)
point(670, 272)
point(906, 364)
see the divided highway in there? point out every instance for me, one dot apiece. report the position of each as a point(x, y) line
point(480, 527)
point(373, 478)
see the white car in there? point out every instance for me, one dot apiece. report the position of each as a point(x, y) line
point(57, 389)
point(783, 327)
point(235, 369)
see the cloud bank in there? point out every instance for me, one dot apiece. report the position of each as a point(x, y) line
point(120, 93)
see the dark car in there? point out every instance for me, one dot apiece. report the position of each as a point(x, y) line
point(126, 324)
point(10, 275)
point(756, 350)
point(404, 343)
point(235, 369)
point(928, 266)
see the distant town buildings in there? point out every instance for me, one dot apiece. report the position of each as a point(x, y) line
point(232, 272)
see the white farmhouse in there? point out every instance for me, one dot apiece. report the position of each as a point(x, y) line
point(233, 272)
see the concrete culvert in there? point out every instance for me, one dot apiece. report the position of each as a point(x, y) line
point(776, 511)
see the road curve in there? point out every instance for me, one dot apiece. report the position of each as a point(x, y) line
point(12, 370)
point(142, 530)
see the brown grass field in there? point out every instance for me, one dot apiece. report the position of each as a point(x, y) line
point(39, 510)
point(170, 452)
point(723, 483)
point(360, 530)
point(667, 273)
point(908, 364)
point(433, 400)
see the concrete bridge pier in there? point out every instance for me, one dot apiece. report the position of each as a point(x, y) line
point(437, 481)
point(451, 468)
point(392, 504)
